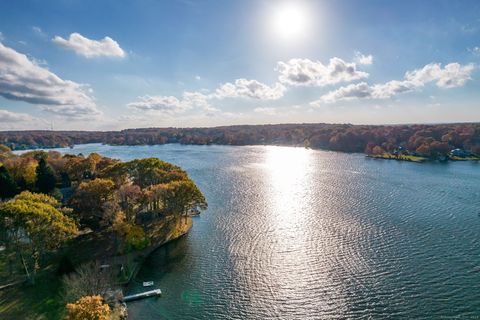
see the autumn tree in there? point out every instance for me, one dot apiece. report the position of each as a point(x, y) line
point(5, 153)
point(41, 198)
point(24, 171)
point(439, 148)
point(377, 150)
point(145, 172)
point(184, 195)
point(369, 147)
point(130, 198)
point(423, 149)
point(88, 308)
point(132, 237)
point(35, 225)
point(154, 198)
point(476, 149)
point(75, 167)
point(90, 200)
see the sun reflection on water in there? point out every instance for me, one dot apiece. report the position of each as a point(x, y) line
point(289, 259)
point(288, 171)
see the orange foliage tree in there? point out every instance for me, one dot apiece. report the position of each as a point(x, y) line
point(88, 308)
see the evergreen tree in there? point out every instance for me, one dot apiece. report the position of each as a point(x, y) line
point(45, 177)
point(8, 187)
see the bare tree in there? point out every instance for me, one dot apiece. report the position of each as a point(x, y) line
point(88, 280)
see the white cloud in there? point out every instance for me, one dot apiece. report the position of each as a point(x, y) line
point(39, 31)
point(10, 120)
point(197, 77)
point(363, 59)
point(450, 76)
point(168, 104)
point(475, 50)
point(250, 89)
point(69, 111)
point(363, 90)
point(23, 79)
point(352, 91)
point(171, 105)
point(1, 36)
point(107, 47)
point(293, 72)
point(267, 111)
point(392, 88)
point(305, 72)
point(9, 116)
point(193, 99)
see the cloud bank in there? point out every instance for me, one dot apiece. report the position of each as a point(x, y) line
point(23, 79)
point(451, 76)
point(9, 116)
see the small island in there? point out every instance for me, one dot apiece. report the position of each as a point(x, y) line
point(75, 229)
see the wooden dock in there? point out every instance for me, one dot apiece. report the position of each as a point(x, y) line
point(146, 294)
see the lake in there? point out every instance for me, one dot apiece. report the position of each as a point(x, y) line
point(292, 233)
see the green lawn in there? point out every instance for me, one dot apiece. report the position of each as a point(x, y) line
point(26, 301)
point(39, 301)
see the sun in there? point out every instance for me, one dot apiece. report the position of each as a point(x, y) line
point(289, 20)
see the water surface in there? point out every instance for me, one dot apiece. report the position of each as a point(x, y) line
point(292, 233)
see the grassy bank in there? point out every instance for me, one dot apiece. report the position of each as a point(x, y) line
point(390, 156)
point(470, 158)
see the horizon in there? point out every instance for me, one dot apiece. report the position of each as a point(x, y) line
point(242, 125)
point(185, 64)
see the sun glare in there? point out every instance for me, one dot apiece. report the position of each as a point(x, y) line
point(288, 169)
point(289, 20)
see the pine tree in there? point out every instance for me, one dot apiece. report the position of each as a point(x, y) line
point(8, 187)
point(45, 177)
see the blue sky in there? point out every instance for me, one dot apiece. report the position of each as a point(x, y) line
point(123, 64)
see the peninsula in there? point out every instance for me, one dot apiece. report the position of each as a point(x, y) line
point(79, 227)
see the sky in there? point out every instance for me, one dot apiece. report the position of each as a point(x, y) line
point(110, 65)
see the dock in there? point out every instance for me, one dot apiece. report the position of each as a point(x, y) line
point(146, 294)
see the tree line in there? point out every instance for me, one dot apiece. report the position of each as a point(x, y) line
point(428, 140)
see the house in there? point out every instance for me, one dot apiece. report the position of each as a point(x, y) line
point(460, 153)
point(400, 151)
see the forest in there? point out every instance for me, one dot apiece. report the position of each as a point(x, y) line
point(78, 226)
point(432, 140)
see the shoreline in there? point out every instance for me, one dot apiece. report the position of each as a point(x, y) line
point(145, 253)
point(419, 159)
point(386, 156)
